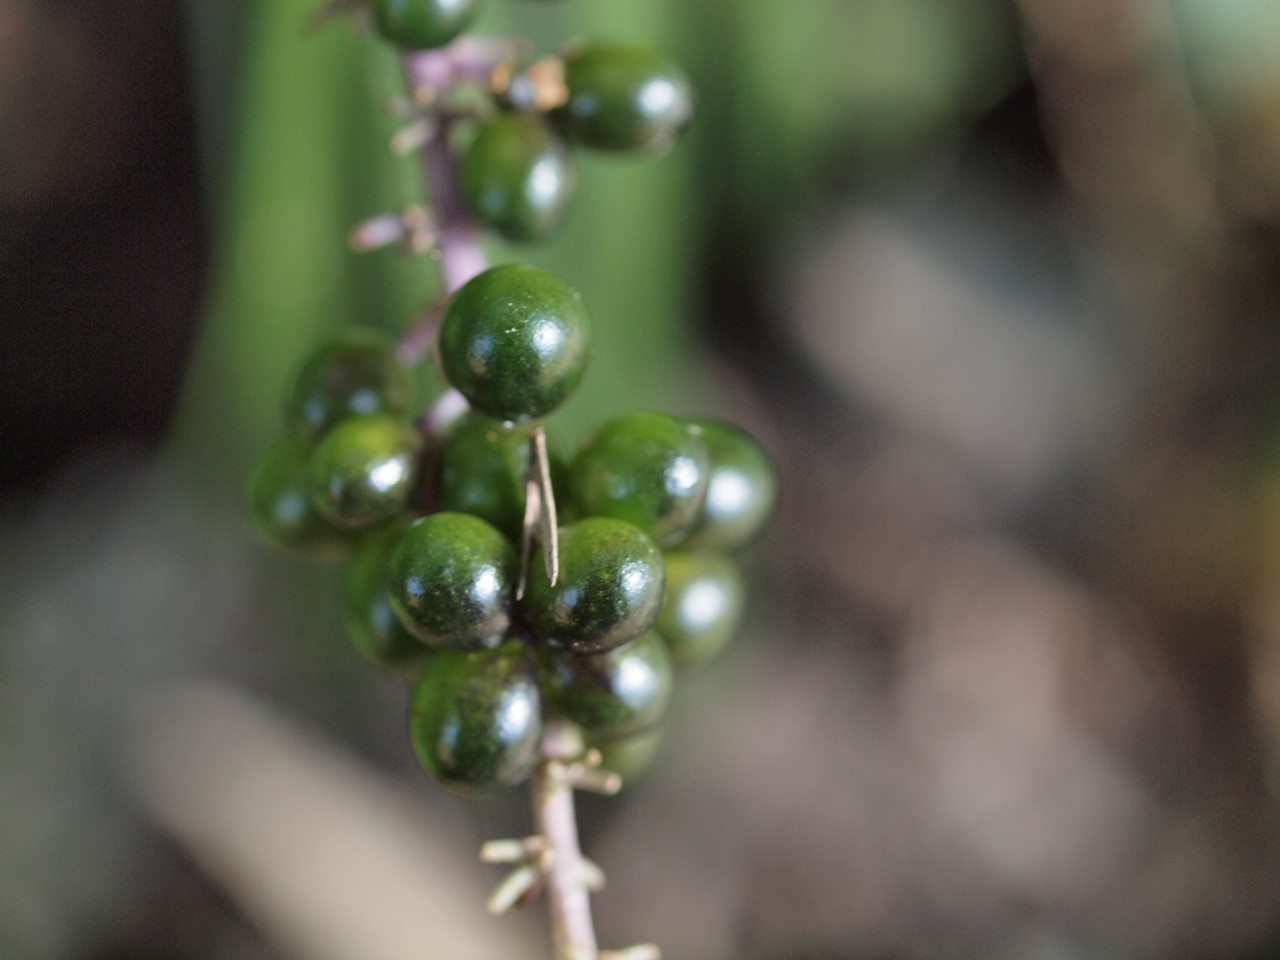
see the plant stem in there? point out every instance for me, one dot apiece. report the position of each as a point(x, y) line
point(567, 898)
point(458, 248)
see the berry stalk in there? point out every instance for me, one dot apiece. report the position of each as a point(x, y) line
point(457, 243)
point(567, 897)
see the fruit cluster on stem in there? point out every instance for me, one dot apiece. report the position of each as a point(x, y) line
point(541, 604)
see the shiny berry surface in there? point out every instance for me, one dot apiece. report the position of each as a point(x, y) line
point(624, 97)
point(375, 630)
point(703, 609)
point(517, 176)
point(451, 578)
point(649, 469)
point(482, 469)
point(514, 341)
point(609, 590)
point(353, 374)
point(422, 24)
point(475, 718)
point(612, 694)
point(363, 470)
point(280, 502)
point(742, 490)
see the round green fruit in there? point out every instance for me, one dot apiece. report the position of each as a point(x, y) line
point(649, 469)
point(280, 501)
point(616, 693)
point(476, 718)
point(363, 470)
point(354, 374)
point(375, 630)
point(742, 490)
point(517, 176)
point(609, 589)
point(482, 470)
point(624, 97)
point(422, 24)
point(514, 341)
point(703, 609)
point(451, 577)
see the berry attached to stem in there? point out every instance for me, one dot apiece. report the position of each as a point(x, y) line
point(476, 718)
point(624, 97)
point(514, 341)
point(451, 578)
point(609, 590)
point(517, 176)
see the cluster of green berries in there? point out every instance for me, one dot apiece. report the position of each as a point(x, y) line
point(516, 166)
point(434, 526)
point(517, 171)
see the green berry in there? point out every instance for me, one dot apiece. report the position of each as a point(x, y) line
point(376, 632)
point(482, 471)
point(280, 501)
point(475, 718)
point(354, 374)
point(363, 470)
point(616, 693)
point(703, 608)
point(742, 490)
point(517, 176)
point(630, 757)
point(646, 468)
point(514, 341)
point(451, 578)
point(422, 24)
point(609, 589)
point(624, 97)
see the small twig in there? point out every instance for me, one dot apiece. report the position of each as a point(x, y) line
point(518, 883)
point(540, 522)
point(567, 896)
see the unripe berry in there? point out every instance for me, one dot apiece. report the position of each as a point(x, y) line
point(609, 590)
point(355, 373)
point(649, 469)
point(514, 341)
point(422, 24)
point(363, 470)
point(475, 718)
point(451, 579)
point(616, 693)
point(517, 176)
point(624, 97)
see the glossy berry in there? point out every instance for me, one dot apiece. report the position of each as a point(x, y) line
point(514, 341)
point(612, 694)
point(624, 97)
point(482, 471)
point(609, 590)
point(741, 492)
point(422, 24)
point(476, 718)
point(703, 607)
point(451, 578)
point(280, 501)
point(353, 374)
point(649, 469)
point(375, 630)
point(517, 176)
point(363, 470)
